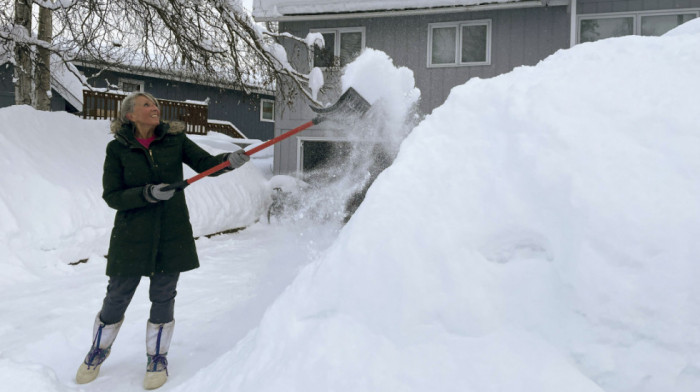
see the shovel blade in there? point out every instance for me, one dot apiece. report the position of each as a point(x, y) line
point(350, 105)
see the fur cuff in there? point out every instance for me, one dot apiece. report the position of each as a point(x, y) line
point(147, 194)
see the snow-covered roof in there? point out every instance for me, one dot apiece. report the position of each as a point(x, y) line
point(280, 9)
point(67, 82)
point(63, 80)
point(253, 85)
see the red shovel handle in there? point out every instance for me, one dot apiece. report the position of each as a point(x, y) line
point(283, 136)
point(225, 164)
point(183, 184)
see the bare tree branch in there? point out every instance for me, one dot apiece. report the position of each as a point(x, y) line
point(202, 40)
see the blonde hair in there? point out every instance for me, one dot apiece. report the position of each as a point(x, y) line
point(127, 105)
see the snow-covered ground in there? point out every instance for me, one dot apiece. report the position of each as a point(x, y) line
point(537, 232)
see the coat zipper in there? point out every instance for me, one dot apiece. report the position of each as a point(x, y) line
point(153, 160)
point(156, 228)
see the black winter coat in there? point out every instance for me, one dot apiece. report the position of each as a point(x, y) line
point(150, 238)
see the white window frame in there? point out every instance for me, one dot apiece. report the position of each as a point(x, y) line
point(301, 139)
point(458, 47)
point(337, 32)
point(636, 18)
point(263, 101)
point(141, 83)
point(300, 149)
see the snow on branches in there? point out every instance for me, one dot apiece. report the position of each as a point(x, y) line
point(203, 40)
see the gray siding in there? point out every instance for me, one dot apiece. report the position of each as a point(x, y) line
point(7, 89)
point(518, 37)
point(605, 6)
point(7, 92)
point(243, 110)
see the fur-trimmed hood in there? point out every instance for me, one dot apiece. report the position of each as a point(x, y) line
point(172, 127)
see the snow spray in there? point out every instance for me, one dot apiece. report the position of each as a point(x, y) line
point(334, 190)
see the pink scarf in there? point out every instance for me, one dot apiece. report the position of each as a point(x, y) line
point(147, 142)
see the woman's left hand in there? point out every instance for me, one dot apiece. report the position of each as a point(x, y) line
point(237, 159)
point(155, 193)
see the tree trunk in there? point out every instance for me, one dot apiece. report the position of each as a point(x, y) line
point(23, 58)
point(42, 67)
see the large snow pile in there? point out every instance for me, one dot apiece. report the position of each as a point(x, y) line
point(537, 232)
point(51, 207)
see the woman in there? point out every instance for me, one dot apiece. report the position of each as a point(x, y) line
point(152, 235)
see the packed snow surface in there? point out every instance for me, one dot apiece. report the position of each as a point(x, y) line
point(537, 232)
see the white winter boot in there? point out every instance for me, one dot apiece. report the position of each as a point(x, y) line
point(158, 337)
point(103, 336)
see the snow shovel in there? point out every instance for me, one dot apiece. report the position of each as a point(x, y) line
point(350, 105)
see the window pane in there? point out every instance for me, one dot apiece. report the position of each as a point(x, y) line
point(444, 45)
point(595, 29)
point(660, 24)
point(474, 44)
point(324, 57)
point(130, 87)
point(268, 110)
point(350, 46)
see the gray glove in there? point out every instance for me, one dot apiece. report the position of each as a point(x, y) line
point(155, 193)
point(237, 159)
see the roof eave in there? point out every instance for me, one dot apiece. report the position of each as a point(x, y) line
point(137, 70)
point(411, 12)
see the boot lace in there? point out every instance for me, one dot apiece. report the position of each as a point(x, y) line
point(96, 352)
point(158, 363)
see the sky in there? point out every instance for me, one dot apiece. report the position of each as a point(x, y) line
point(536, 232)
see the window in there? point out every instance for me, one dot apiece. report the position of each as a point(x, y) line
point(594, 28)
point(656, 25)
point(341, 47)
point(267, 110)
point(130, 85)
point(459, 43)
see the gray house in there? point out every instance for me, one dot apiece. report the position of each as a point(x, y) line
point(445, 43)
point(249, 112)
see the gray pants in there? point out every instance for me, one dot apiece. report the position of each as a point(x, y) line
point(121, 289)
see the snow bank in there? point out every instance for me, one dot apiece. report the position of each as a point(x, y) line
point(537, 232)
point(51, 207)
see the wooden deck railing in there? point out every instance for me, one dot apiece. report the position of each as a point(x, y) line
point(98, 105)
point(226, 129)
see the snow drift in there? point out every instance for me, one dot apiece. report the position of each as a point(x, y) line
point(51, 207)
point(537, 232)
